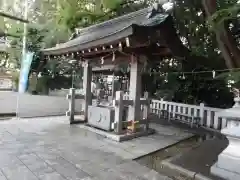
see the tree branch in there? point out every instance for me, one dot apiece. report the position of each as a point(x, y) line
point(210, 8)
point(13, 17)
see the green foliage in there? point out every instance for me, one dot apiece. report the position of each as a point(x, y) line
point(57, 19)
point(225, 14)
point(232, 77)
point(15, 77)
point(42, 86)
point(76, 14)
point(190, 23)
point(35, 41)
point(168, 85)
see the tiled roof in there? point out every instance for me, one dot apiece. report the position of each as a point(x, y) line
point(108, 31)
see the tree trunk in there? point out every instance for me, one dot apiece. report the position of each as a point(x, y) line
point(232, 45)
point(227, 44)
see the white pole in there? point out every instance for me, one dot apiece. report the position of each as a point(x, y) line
point(24, 46)
point(25, 28)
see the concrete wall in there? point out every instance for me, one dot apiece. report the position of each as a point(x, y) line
point(34, 105)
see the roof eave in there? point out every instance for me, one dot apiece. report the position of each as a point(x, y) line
point(115, 36)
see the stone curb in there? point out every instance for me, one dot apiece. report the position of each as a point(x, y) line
point(199, 176)
point(183, 171)
point(39, 116)
point(4, 119)
point(7, 114)
point(211, 129)
point(179, 169)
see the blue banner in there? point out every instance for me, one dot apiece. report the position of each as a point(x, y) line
point(25, 68)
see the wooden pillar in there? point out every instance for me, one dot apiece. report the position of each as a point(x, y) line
point(87, 79)
point(135, 91)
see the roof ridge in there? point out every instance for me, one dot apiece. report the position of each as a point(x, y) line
point(114, 20)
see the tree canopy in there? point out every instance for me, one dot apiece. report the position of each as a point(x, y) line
point(208, 28)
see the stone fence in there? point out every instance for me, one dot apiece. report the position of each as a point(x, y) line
point(209, 116)
point(34, 105)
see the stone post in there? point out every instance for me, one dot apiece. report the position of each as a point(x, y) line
point(119, 112)
point(135, 91)
point(146, 110)
point(87, 79)
point(72, 105)
point(228, 163)
point(201, 113)
point(161, 104)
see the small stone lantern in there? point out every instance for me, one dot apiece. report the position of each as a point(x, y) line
point(228, 164)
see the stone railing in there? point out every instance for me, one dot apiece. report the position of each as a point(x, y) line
point(208, 116)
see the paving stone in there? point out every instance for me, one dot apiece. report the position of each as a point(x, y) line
point(17, 173)
point(70, 172)
point(51, 149)
point(52, 176)
point(132, 167)
point(2, 177)
point(125, 176)
point(153, 175)
point(40, 169)
point(49, 157)
point(75, 158)
point(9, 161)
point(87, 178)
point(30, 158)
point(109, 161)
point(107, 176)
point(64, 167)
point(35, 164)
point(93, 169)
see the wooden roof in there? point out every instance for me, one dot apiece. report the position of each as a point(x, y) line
point(112, 32)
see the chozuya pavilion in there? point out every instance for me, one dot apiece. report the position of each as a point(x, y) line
point(131, 39)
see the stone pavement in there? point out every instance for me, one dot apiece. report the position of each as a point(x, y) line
point(51, 149)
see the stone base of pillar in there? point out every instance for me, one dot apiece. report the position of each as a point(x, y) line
point(228, 164)
point(119, 138)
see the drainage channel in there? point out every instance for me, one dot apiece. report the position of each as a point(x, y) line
point(154, 160)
